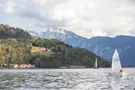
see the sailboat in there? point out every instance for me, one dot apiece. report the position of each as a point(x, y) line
point(95, 66)
point(116, 64)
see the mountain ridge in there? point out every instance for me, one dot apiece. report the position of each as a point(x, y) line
point(17, 48)
point(11, 32)
point(100, 45)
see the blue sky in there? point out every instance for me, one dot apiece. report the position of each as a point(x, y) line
point(87, 18)
point(3, 18)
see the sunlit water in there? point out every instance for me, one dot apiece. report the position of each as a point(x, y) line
point(65, 79)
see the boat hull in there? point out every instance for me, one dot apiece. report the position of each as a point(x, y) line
point(117, 74)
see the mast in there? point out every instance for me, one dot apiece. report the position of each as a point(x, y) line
point(95, 63)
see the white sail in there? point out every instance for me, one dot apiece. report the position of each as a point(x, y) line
point(116, 65)
point(95, 63)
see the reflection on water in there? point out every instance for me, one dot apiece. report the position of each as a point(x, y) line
point(65, 79)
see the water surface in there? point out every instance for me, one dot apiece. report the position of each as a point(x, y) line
point(65, 79)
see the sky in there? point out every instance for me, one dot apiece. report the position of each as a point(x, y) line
point(87, 18)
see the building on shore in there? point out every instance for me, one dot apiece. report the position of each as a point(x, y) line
point(31, 66)
point(16, 66)
point(27, 66)
point(63, 67)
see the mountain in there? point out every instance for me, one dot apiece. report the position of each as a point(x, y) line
point(45, 53)
point(65, 36)
point(101, 46)
point(55, 54)
point(11, 32)
point(104, 46)
point(18, 47)
point(33, 33)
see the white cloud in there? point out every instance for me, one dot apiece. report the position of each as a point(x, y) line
point(84, 17)
point(10, 5)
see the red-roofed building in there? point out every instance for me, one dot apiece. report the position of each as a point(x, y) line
point(27, 66)
point(24, 65)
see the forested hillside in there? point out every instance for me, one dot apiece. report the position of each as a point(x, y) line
point(14, 51)
point(10, 32)
point(17, 47)
point(58, 54)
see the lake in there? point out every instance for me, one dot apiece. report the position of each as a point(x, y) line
point(65, 79)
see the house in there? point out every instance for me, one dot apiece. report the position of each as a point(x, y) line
point(16, 66)
point(24, 65)
point(31, 66)
point(63, 67)
point(27, 66)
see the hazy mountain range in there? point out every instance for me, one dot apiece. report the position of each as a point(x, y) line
point(101, 46)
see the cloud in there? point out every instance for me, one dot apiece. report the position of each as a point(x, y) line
point(7, 6)
point(87, 18)
point(10, 7)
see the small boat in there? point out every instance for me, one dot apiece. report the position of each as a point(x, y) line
point(116, 65)
point(95, 66)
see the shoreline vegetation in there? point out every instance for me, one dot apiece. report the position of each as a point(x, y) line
point(19, 47)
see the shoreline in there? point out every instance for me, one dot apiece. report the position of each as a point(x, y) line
point(57, 68)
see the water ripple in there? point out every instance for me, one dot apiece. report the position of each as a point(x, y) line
point(65, 79)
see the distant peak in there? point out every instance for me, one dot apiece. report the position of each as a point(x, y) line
point(123, 36)
point(58, 30)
